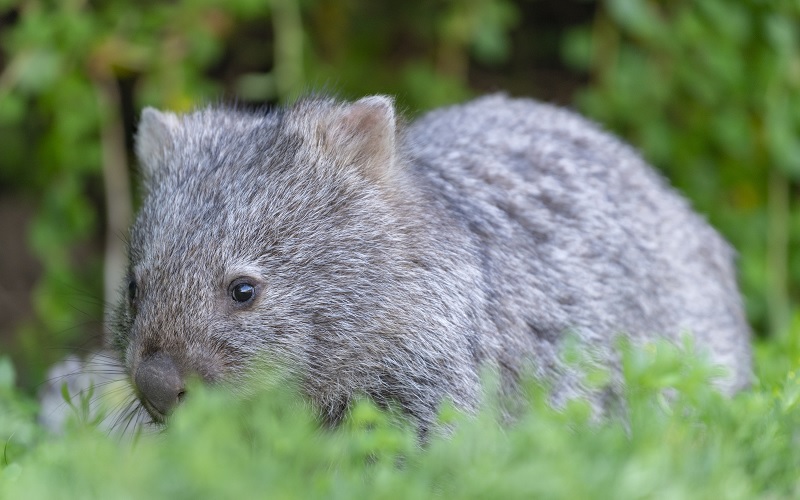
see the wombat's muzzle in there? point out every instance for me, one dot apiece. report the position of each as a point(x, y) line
point(160, 384)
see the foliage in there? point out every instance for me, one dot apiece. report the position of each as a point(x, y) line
point(694, 444)
point(18, 432)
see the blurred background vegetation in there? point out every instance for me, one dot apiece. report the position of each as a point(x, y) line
point(708, 89)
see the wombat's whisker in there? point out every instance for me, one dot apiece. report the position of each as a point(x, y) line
point(125, 416)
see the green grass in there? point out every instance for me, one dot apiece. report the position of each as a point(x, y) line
point(695, 445)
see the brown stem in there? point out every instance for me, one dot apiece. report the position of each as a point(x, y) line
point(119, 210)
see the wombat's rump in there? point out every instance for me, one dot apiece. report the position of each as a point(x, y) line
point(399, 262)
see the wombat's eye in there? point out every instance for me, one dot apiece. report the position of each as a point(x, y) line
point(243, 292)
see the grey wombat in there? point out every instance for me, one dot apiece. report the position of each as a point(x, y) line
point(398, 262)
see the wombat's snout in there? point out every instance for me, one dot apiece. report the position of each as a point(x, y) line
point(160, 384)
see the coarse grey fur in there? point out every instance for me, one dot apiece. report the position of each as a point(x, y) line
point(399, 262)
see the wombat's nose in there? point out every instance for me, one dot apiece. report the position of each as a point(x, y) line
point(160, 382)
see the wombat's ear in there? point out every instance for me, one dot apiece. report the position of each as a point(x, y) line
point(366, 130)
point(155, 139)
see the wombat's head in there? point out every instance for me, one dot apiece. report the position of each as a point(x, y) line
point(261, 237)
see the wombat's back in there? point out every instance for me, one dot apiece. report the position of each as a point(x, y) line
point(577, 235)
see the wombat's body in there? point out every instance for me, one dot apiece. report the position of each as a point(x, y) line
point(399, 263)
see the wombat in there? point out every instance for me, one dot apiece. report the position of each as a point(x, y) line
point(398, 262)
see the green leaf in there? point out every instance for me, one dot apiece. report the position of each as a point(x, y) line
point(637, 16)
point(576, 48)
point(7, 377)
point(37, 70)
